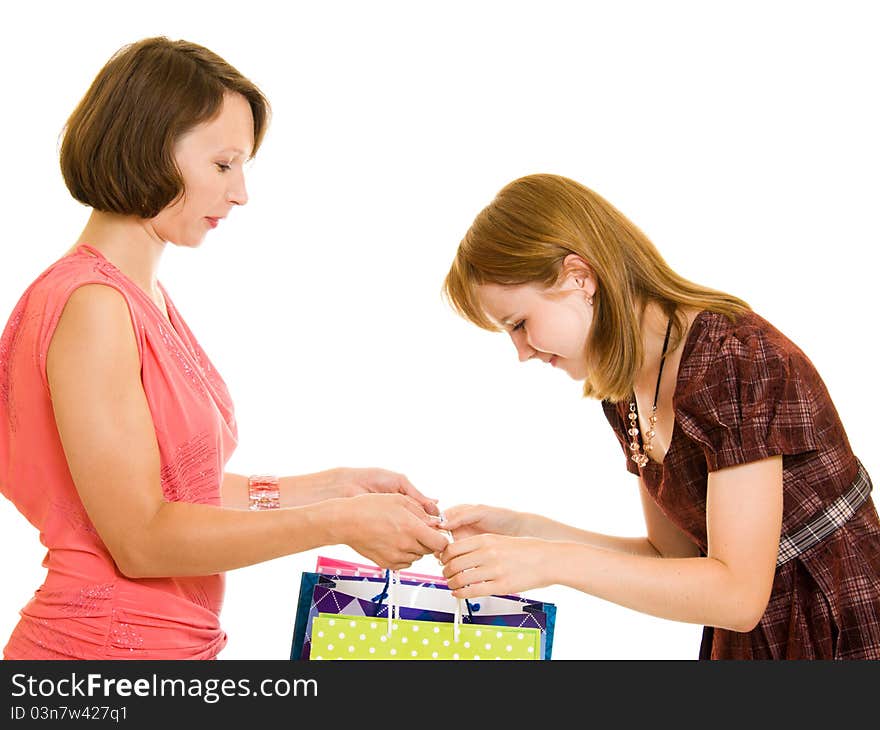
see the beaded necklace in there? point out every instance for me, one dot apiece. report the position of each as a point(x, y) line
point(641, 457)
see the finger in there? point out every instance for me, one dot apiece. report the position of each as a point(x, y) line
point(461, 515)
point(469, 576)
point(418, 509)
point(431, 539)
point(431, 507)
point(426, 550)
point(405, 486)
point(433, 542)
point(435, 521)
point(478, 590)
point(459, 547)
point(398, 560)
point(410, 556)
point(427, 531)
point(414, 506)
point(462, 532)
point(462, 563)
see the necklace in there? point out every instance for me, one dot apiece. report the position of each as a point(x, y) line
point(641, 458)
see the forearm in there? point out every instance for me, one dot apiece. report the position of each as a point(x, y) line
point(692, 590)
point(296, 491)
point(532, 525)
point(196, 539)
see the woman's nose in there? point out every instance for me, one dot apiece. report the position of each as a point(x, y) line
point(523, 349)
point(237, 194)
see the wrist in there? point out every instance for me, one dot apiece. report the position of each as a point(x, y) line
point(519, 525)
point(310, 488)
point(532, 525)
point(559, 559)
point(327, 484)
point(336, 483)
point(335, 520)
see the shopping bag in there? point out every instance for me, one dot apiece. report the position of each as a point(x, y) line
point(415, 601)
point(420, 600)
point(319, 592)
point(362, 637)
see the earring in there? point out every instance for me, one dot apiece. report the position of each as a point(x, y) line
point(590, 301)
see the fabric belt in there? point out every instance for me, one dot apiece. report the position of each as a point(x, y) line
point(827, 521)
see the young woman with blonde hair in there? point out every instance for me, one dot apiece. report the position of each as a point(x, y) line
point(759, 520)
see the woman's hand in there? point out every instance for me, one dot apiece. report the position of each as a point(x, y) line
point(466, 520)
point(391, 530)
point(353, 482)
point(485, 565)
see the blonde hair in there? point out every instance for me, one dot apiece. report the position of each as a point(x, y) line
point(523, 236)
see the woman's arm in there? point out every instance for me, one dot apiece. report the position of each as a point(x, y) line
point(664, 539)
point(544, 528)
point(296, 491)
point(304, 489)
point(729, 588)
point(109, 441)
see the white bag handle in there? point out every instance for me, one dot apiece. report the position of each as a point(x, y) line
point(394, 607)
point(393, 582)
point(456, 618)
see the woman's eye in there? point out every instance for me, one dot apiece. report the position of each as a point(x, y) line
point(223, 167)
point(519, 325)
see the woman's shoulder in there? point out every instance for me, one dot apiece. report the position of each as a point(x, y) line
point(75, 264)
point(721, 347)
point(67, 269)
point(43, 302)
point(713, 333)
point(62, 277)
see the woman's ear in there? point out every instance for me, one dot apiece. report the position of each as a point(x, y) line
point(576, 273)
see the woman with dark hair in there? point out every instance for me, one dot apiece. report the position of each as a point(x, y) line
point(759, 520)
point(115, 427)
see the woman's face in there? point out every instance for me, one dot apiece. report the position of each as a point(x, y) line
point(210, 158)
point(550, 325)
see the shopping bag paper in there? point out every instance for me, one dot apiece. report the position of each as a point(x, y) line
point(416, 601)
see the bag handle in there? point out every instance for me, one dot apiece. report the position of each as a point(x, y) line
point(456, 619)
point(392, 580)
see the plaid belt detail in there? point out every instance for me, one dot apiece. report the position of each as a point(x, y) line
point(827, 521)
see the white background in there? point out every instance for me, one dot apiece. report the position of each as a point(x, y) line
point(741, 137)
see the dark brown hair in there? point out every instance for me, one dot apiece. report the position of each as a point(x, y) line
point(117, 148)
point(523, 236)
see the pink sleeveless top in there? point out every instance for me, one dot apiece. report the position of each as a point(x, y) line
point(86, 609)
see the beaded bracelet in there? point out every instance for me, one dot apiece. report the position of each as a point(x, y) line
point(263, 492)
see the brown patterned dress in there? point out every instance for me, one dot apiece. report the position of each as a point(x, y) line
point(745, 392)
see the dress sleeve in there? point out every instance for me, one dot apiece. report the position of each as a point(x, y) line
point(618, 425)
point(754, 400)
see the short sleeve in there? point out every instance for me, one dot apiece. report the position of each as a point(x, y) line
point(618, 425)
point(758, 396)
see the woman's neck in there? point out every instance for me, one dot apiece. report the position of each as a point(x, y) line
point(654, 321)
point(129, 243)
